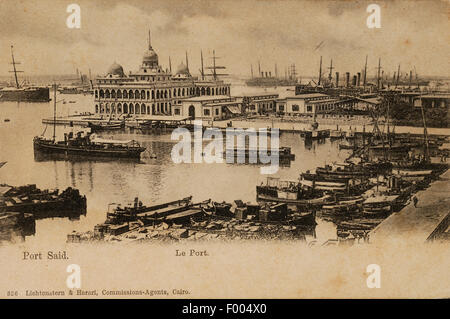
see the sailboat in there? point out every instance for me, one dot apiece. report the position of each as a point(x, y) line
point(23, 93)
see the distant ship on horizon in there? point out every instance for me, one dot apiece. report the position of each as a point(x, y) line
point(266, 79)
point(23, 93)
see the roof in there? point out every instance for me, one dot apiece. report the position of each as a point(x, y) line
point(264, 100)
point(373, 100)
point(302, 96)
point(107, 141)
point(258, 94)
point(308, 95)
point(435, 96)
point(208, 98)
point(162, 117)
point(222, 103)
point(325, 101)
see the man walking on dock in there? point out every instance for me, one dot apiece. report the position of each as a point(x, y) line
point(415, 200)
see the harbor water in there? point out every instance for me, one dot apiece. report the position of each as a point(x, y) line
point(154, 179)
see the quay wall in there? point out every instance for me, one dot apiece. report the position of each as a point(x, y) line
point(283, 126)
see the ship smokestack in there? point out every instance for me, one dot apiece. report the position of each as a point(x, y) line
point(347, 79)
point(359, 78)
point(337, 79)
point(354, 80)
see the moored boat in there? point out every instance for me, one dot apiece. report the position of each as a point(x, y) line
point(87, 145)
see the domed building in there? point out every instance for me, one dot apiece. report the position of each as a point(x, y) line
point(115, 70)
point(150, 59)
point(182, 72)
point(152, 90)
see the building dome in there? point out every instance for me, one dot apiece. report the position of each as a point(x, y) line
point(116, 69)
point(182, 69)
point(150, 56)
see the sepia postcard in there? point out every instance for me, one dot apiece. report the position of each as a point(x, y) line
point(185, 149)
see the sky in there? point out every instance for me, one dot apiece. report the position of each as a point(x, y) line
point(242, 32)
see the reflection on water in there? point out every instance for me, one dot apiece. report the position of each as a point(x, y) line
point(151, 179)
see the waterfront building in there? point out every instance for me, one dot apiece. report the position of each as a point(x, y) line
point(312, 104)
point(151, 90)
point(259, 103)
point(209, 108)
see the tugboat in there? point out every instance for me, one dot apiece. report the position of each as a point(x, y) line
point(86, 144)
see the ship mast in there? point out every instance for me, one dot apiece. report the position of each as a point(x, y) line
point(215, 67)
point(320, 70)
point(54, 112)
point(365, 74)
point(331, 70)
point(202, 71)
point(398, 76)
point(14, 67)
point(378, 73)
point(425, 137)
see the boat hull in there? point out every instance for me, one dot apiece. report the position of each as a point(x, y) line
point(50, 148)
point(26, 95)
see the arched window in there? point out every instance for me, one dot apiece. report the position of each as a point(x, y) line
point(165, 94)
point(136, 94)
point(125, 108)
point(102, 94)
point(143, 109)
point(137, 108)
point(153, 94)
point(174, 92)
point(153, 109)
point(119, 108)
point(217, 91)
point(208, 91)
point(96, 108)
point(131, 108)
point(119, 94)
point(203, 91)
point(113, 108)
point(198, 91)
point(107, 107)
point(130, 94)
point(148, 109)
point(107, 94)
point(125, 94)
point(102, 109)
point(113, 94)
point(148, 95)
point(96, 94)
point(157, 94)
point(182, 92)
point(179, 92)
